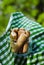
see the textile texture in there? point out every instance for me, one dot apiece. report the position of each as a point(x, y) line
point(36, 57)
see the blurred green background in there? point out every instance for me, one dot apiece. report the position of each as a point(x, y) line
point(33, 9)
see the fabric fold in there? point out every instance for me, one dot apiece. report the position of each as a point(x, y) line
point(17, 19)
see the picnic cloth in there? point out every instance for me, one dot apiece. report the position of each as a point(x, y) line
point(36, 57)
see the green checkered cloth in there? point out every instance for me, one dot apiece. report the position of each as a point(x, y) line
point(36, 57)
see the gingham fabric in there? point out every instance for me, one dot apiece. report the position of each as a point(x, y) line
point(36, 33)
